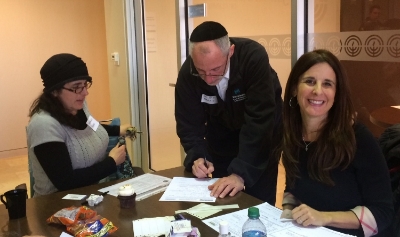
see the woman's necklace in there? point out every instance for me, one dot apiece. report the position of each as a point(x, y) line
point(307, 144)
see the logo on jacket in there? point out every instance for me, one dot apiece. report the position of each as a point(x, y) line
point(237, 96)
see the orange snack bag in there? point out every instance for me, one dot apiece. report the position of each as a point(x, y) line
point(94, 227)
point(71, 215)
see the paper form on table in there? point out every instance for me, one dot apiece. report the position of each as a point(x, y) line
point(189, 190)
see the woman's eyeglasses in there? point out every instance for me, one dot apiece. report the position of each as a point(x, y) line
point(79, 89)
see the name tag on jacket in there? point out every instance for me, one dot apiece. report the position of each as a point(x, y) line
point(209, 99)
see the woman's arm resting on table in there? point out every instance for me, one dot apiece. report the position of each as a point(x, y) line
point(305, 215)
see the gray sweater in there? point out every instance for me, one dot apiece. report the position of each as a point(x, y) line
point(85, 147)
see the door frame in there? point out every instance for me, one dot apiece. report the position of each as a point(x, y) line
point(302, 21)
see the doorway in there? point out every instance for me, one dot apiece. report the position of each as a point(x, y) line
point(268, 22)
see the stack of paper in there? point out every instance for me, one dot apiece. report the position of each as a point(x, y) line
point(145, 185)
point(189, 190)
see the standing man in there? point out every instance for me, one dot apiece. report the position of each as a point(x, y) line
point(228, 111)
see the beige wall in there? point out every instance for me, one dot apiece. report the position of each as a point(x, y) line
point(249, 17)
point(253, 18)
point(326, 16)
point(31, 32)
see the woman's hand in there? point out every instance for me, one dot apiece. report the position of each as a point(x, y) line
point(305, 216)
point(118, 154)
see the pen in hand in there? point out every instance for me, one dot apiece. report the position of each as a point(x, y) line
point(209, 175)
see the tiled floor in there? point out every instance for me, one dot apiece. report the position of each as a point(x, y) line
point(14, 171)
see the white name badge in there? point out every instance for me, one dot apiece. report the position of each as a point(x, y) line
point(209, 99)
point(91, 122)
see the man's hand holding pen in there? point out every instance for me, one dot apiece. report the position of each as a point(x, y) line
point(202, 168)
point(209, 173)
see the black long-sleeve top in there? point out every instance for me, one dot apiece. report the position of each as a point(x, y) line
point(364, 183)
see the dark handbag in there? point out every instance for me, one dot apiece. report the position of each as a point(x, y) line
point(124, 170)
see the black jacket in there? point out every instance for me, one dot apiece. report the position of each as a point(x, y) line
point(389, 142)
point(245, 127)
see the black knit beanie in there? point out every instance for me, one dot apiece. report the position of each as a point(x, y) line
point(63, 68)
point(208, 30)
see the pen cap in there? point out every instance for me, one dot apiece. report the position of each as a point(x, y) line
point(223, 227)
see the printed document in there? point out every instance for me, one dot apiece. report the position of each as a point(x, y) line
point(189, 190)
point(270, 216)
point(145, 185)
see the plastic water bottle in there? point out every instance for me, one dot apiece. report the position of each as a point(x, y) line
point(254, 227)
point(223, 229)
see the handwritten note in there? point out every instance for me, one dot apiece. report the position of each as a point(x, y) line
point(189, 190)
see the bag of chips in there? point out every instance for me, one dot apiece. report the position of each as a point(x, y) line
point(71, 215)
point(96, 227)
point(83, 221)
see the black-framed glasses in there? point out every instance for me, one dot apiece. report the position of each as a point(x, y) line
point(196, 74)
point(79, 89)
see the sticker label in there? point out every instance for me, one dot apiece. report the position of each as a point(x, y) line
point(209, 99)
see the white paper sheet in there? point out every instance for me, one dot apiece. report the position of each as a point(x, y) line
point(204, 210)
point(63, 234)
point(145, 185)
point(189, 190)
point(149, 227)
point(74, 196)
point(270, 216)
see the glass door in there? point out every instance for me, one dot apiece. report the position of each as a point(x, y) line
point(365, 36)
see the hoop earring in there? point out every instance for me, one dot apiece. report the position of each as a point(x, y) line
point(290, 102)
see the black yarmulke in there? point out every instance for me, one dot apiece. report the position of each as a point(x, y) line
point(208, 30)
point(62, 68)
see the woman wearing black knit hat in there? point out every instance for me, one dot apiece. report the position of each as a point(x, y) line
point(67, 147)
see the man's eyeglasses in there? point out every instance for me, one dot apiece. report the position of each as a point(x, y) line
point(196, 74)
point(79, 89)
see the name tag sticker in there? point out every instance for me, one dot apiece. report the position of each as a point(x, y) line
point(209, 99)
point(91, 122)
